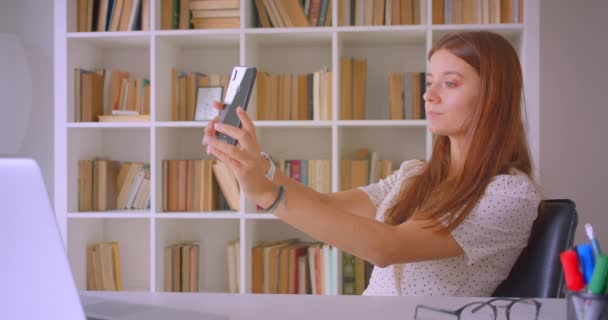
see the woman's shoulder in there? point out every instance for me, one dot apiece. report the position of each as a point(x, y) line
point(410, 166)
point(515, 184)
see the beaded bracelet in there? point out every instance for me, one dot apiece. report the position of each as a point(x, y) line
point(276, 202)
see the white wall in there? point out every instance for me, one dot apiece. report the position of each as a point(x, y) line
point(574, 108)
point(32, 21)
point(573, 76)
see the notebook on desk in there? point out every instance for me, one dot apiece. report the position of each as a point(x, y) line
point(35, 277)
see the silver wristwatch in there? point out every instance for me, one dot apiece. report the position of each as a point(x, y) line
point(273, 168)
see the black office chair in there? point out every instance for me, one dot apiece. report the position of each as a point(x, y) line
point(538, 273)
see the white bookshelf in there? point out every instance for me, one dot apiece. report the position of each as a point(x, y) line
point(151, 54)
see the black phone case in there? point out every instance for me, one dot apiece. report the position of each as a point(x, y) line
point(237, 94)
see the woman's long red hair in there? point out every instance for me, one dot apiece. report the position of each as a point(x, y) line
point(496, 140)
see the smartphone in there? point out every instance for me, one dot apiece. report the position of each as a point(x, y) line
point(237, 95)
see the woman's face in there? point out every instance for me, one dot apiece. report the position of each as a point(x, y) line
point(451, 95)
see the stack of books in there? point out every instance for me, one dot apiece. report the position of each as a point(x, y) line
point(200, 14)
point(294, 97)
point(368, 168)
point(88, 95)
point(353, 74)
point(110, 95)
point(103, 267)
point(406, 91)
point(477, 12)
point(233, 254)
point(381, 12)
point(293, 267)
point(215, 14)
point(293, 13)
point(133, 183)
point(107, 185)
point(112, 15)
point(355, 274)
point(97, 188)
point(315, 174)
point(182, 267)
point(198, 185)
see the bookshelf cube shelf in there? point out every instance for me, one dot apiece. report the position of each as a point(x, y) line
point(133, 237)
point(94, 10)
point(245, 14)
point(484, 12)
point(209, 54)
point(144, 234)
point(384, 52)
point(274, 52)
point(412, 142)
point(105, 50)
point(353, 138)
point(258, 230)
point(178, 143)
point(88, 143)
point(212, 236)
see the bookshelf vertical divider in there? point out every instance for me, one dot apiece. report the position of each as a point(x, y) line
point(287, 50)
point(154, 178)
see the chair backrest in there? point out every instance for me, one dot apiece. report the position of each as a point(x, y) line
point(537, 273)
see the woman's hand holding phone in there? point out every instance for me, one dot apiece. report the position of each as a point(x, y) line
point(244, 158)
point(209, 130)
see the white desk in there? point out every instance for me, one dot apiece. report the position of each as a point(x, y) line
point(309, 307)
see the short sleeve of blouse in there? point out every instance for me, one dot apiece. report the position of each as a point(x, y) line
point(501, 221)
point(378, 191)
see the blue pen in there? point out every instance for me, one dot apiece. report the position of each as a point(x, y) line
point(586, 260)
point(593, 239)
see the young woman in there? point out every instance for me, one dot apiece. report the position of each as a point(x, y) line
point(453, 225)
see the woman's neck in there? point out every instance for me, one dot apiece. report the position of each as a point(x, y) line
point(456, 156)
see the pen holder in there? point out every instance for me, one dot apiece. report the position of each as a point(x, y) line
point(586, 306)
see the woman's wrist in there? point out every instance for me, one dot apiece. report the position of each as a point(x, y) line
point(268, 166)
point(265, 165)
point(267, 198)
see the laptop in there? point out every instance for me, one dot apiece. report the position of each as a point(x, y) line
point(35, 277)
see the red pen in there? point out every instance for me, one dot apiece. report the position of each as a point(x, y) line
point(572, 273)
point(574, 279)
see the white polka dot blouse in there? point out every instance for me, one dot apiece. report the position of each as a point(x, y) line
point(492, 237)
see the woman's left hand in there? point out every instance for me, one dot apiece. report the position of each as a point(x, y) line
point(244, 158)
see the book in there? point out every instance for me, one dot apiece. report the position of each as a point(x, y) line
point(228, 184)
point(124, 118)
point(116, 265)
point(215, 4)
point(346, 81)
point(181, 267)
point(216, 22)
point(103, 266)
point(128, 179)
point(85, 185)
point(257, 267)
point(263, 18)
point(232, 271)
point(168, 265)
point(194, 266)
point(220, 13)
